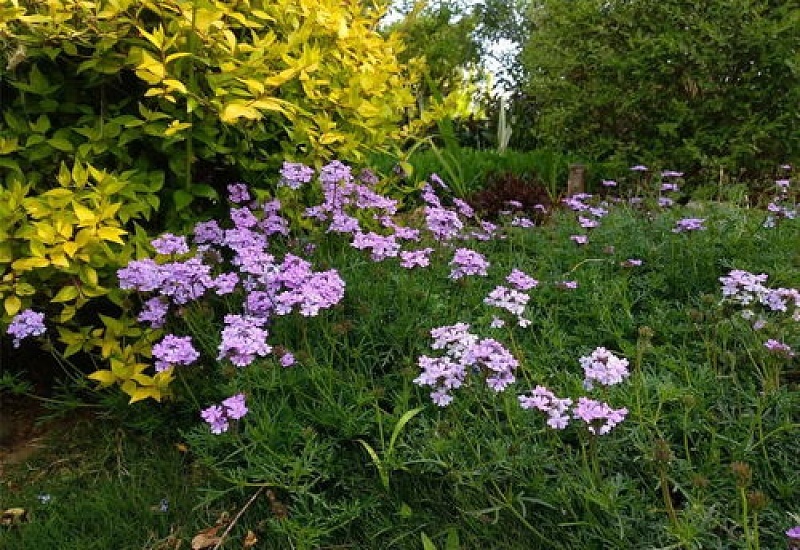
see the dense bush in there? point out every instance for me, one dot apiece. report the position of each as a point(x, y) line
point(695, 85)
point(125, 117)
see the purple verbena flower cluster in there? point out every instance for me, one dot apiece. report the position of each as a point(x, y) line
point(759, 303)
point(218, 417)
point(464, 352)
point(25, 324)
point(511, 300)
point(467, 262)
point(174, 350)
point(689, 224)
point(602, 367)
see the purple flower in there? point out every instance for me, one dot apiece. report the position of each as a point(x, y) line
point(287, 359)
point(522, 222)
point(216, 419)
point(238, 193)
point(608, 183)
point(444, 224)
point(603, 367)
point(24, 324)
point(294, 175)
point(579, 239)
point(521, 280)
point(343, 223)
point(154, 312)
point(497, 323)
point(225, 283)
point(235, 407)
point(783, 184)
point(174, 350)
point(544, 400)
point(779, 347)
point(665, 202)
point(142, 275)
point(689, 224)
point(509, 299)
point(243, 338)
point(567, 285)
point(184, 282)
point(170, 244)
point(468, 262)
point(243, 218)
point(671, 174)
point(794, 533)
point(598, 416)
point(464, 353)
point(587, 223)
point(335, 172)
point(382, 246)
point(631, 262)
point(639, 168)
point(208, 233)
point(415, 258)
point(666, 187)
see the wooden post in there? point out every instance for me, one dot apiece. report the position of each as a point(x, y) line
point(577, 179)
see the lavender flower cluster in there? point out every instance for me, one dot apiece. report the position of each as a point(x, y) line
point(235, 261)
point(782, 206)
point(589, 215)
point(464, 353)
point(601, 367)
point(25, 324)
point(748, 291)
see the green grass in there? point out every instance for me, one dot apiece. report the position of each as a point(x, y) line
point(335, 454)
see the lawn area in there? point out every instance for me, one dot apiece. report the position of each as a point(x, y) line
point(608, 371)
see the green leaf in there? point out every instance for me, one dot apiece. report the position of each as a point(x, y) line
point(182, 199)
point(66, 294)
point(61, 144)
point(205, 191)
point(427, 543)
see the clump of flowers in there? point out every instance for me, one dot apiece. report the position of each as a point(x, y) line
point(464, 352)
point(604, 368)
point(601, 367)
point(468, 262)
point(779, 347)
point(762, 306)
point(25, 324)
point(781, 207)
point(218, 417)
point(689, 224)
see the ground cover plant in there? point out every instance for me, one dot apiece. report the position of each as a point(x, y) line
point(621, 374)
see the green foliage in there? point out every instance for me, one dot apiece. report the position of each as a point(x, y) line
point(694, 85)
point(443, 34)
point(181, 87)
point(342, 442)
point(469, 171)
point(481, 472)
point(113, 112)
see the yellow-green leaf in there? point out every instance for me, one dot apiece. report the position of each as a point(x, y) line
point(12, 305)
point(26, 264)
point(234, 111)
point(105, 377)
point(66, 294)
point(85, 216)
point(112, 234)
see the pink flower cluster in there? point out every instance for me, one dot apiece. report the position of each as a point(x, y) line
point(218, 417)
point(601, 367)
point(464, 352)
point(604, 368)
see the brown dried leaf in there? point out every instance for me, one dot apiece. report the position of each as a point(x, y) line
point(206, 538)
point(250, 540)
